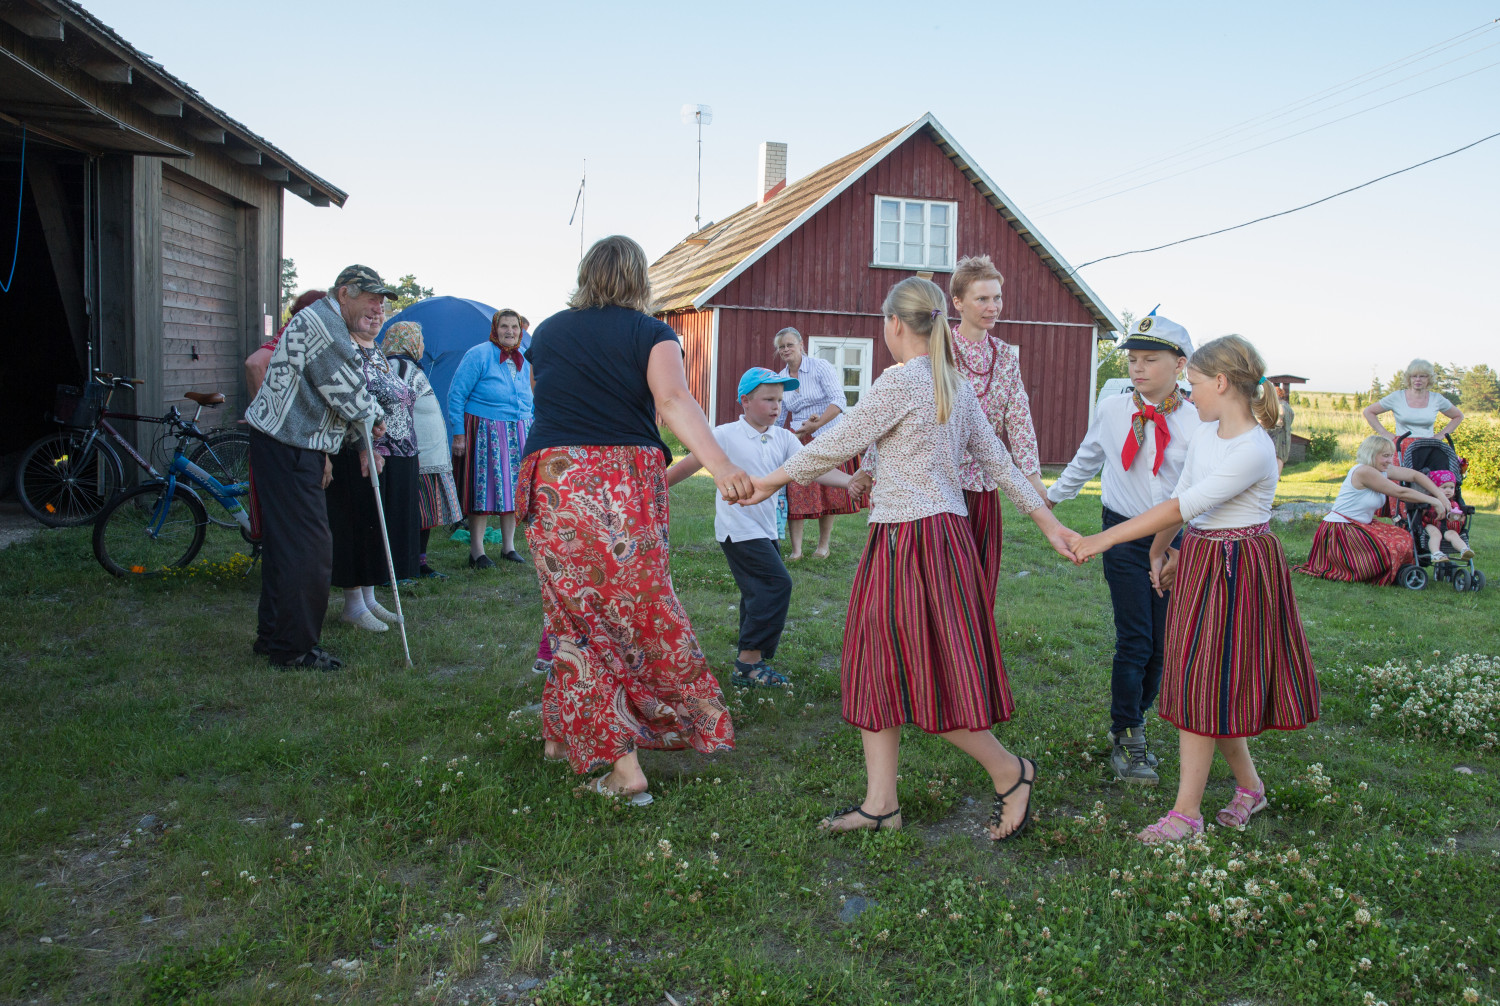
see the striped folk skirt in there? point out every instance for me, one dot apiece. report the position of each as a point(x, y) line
point(1358, 553)
point(1237, 660)
point(627, 671)
point(437, 498)
point(492, 463)
point(815, 500)
point(920, 644)
point(985, 523)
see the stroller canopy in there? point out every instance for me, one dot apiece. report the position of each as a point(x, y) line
point(451, 326)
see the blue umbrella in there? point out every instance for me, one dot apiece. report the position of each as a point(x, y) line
point(451, 326)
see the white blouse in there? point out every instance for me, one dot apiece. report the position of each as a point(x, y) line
point(1354, 504)
point(1227, 483)
point(818, 387)
point(919, 458)
point(1409, 418)
point(1128, 493)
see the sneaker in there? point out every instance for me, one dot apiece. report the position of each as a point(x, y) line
point(1129, 759)
point(1468, 553)
point(1438, 556)
point(1150, 755)
point(757, 675)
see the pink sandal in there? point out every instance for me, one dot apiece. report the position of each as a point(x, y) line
point(1172, 828)
point(1245, 804)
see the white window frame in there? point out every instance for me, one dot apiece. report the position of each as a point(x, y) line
point(867, 361)
point(925, 264)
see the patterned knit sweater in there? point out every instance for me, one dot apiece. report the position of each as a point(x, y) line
point(314, 389)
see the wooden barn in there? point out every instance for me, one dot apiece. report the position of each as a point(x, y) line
point(820, 253)
point(148, 239)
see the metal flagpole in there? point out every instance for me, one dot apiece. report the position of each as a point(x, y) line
point(385, 538)
point(580, 207)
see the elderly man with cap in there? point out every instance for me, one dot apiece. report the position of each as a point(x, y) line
point(1139, 441)
point(748, 534)
point(313, 397)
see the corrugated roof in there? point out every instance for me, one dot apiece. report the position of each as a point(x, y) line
point(704, 263)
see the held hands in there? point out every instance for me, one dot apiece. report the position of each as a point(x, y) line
point(1065, 540)
point(763, 491)
point(1164, 571)
point(860, 485)
point(1088, 547)
point(734, 485)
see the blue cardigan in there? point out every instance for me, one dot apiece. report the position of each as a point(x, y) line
point(489, 388)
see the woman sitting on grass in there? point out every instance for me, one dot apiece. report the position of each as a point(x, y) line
point(1351, 546)
point(920, 644)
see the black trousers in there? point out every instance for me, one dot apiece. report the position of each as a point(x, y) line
point(1140, 629)
point(765, 592)
point(296, 547)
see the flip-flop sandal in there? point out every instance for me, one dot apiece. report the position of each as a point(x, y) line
point(644, 799)
point(827, 823)
point(998, 813)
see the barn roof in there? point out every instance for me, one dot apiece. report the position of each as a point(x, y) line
point(705, 262)
point(73, 46)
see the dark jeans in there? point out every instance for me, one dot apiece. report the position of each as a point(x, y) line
point(296, 547)
point(765, 592)
point(1140, 629)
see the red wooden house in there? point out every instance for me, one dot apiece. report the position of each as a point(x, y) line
point(820, 253)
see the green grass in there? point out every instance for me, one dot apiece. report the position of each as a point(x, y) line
point(359, 835)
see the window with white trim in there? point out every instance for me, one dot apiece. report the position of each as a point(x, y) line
point(853, 360)
point(915, 233)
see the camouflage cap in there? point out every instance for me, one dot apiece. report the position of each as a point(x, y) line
point(364, 278)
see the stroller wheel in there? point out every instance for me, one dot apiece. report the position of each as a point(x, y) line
point(1461, 580)
point(1476, 582)
point(1411, 577)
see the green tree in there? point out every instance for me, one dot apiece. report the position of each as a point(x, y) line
point(1377, 391)
point(1343, 403)
point(288, 284)
point(1112, 362)
point(408, 292)
point(1480, 390)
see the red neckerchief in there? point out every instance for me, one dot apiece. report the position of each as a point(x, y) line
point(513, 355)
point(1146, 412)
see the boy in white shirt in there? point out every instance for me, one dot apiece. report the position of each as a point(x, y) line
point(748, 534)
point(1140, 441)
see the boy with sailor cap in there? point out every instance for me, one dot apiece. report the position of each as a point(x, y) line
point(748, 534)
point(1139, 441)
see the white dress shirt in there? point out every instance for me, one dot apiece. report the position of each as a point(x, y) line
point(1128, 493)
point(1228, 483)
point(758, 454)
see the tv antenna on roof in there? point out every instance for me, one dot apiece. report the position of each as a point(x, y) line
point(703, 115)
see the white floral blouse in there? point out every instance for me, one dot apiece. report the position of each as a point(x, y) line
point(994, 370)
point(919, 459)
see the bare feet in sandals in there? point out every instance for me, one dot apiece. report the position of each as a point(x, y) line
point(1012, 811)
point(856, 818)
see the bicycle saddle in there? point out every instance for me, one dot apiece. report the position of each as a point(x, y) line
point(205, 397)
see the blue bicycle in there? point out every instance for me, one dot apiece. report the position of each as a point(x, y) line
point(160, 525)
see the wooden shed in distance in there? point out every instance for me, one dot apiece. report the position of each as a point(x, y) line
point(820, 253)
point(149, 221)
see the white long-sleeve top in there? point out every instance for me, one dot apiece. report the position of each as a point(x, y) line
point(920, 459)
point(1227, 483)
point(1133, 492)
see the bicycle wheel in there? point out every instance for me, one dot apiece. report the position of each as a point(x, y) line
point(225, 456)
point(63, 480)
point(143, 533)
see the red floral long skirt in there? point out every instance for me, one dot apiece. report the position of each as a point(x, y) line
point(627, 671)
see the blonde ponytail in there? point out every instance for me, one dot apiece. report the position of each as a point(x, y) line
point(920, 305)
point(1238, 361)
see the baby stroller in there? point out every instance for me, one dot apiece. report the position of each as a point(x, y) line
point(1426, 455)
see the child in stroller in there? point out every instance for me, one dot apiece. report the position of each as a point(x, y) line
point(1440, 540)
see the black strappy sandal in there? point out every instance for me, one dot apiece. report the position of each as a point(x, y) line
point(997, 815)
point(855, 808)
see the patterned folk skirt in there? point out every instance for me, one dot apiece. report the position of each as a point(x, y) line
point(920, 644)
point(492, 463)
point(437, 498)
point(1358, 553)
point(1237, 659)
point(985, 523)
point(627, 671)
point(815, 500)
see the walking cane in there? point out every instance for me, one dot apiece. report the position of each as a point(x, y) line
point(385, 538)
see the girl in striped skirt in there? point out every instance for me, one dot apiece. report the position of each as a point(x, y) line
point(920, 644)
point(1237, 659)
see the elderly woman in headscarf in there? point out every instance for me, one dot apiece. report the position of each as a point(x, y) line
point(490, 400)
point(437, 495)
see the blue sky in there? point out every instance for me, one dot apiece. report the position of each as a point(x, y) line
point(460, 128)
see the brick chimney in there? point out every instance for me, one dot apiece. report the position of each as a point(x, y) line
point(772, 175)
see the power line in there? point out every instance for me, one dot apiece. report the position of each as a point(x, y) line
point(1262, 146)
point(1295, 209)
point(1215, 138)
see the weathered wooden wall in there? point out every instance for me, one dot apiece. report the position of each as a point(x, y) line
point(696, 329)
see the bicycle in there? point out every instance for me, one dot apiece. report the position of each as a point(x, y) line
point(65, 478)
point(160, 525)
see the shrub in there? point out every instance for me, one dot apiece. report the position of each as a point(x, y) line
point(1322, 445)
point(1478, 439)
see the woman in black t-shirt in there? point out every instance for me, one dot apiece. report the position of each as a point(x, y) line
point(627, 671)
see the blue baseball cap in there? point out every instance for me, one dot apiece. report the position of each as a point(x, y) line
point(756, 376)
